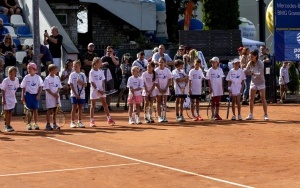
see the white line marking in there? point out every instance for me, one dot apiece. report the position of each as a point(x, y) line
point(153, 164)
point(68, 169)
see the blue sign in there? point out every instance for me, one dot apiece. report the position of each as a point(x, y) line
point(287, 45)
point(287, 13)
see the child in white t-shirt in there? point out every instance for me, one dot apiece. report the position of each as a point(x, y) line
point(31, 92)
point(65, 91)
point(77, 82)
point(195, 89)
point(135, 85)
point(97, 78)
point(235, 78)
point(52, 85)
point(180, 81)
point(284, 79)
point(9, 88)
point(149, 93)
point(164, 78)
point(215, 82)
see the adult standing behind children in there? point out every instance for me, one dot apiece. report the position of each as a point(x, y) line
point(256, 68)
point(161, 53)
point(3, 30)
point(55, 41)
point(141, 62)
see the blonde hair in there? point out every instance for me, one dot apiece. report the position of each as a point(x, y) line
point(11, 69)
point(193, 55)
point(11, 40)
point(77, 62)
point(51, 67)
point(135, 67)
point(95, 60)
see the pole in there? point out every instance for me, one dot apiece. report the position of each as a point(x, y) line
point(262, 20)
point(36, 35)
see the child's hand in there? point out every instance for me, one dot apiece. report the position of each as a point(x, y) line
point(80, 82)
point(3, 102)
point(23, 100)
point(77, 96)
point(55, 95)
point(101, 92)
point(38, 97)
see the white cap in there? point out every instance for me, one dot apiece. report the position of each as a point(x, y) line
point(91, 44)
point(215, 59)
point(235, 60)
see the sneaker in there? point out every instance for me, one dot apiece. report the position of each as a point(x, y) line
point(73, 124)
point(111, 121)
point(86, 106)
point(8, 128)
point(92, 123)
point(240, 117)
point(217, 117)
point(195, 119)
point(80, 125)
point(55, 126)
point(165, 119)
point(138, 121)
point(29, 127)
point(281, 101)
point(249, 117)
point(160, 119)
point(182, 118)
point(178, 118)
point(200, 118)
point(146, 120)
point(48, 127)
point(266, 118)
point(151, 120)
point(245, 103)
point(131, 122)
point(233, 117)
point(36, 127)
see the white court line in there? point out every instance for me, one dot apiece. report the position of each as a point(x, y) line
point(153, 164)
point(68, 169)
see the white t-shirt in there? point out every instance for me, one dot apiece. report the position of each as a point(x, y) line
point(97, 77)
point(141, 64)
point(10, 88)
point(236, 77)
point(32, 83)
point(52, 83)
point(73, 80)
point(284, 75)
point(148, 82)
point(163, 77)
point(196, 77)
point(215, 78)
point(135, 83)
point(177, 85)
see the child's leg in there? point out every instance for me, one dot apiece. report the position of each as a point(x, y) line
point(193, 108)
point(177, 101)
point(146, 105)
point(218, 99)
point(158, 106)
point(35, 115)
point(238, 103)
point(130, 110)
point(7, 117)
point(73, 111)
point(281, 92)
point(79, 112)
point(233, 99)
point(138, 109)
point(197, 107)
point(151, 106)
point(92, 109)
point(165, 101)
point(53, 115)
point(49, 112)
point(181, 106)
point(213, 103)
point(105, 107)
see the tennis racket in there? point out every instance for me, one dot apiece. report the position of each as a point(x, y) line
point(208, 107)
point(60, 116)
point(228, 106)
point(27, 115)
point(110, 92)
point(135, 115)
point(79, 86)
point(2, 115)
point(190, 111)
point(163, 107)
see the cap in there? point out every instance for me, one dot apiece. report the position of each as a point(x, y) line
point(69, 61)
point(91, 44)
point(215, 59)
point(32, 65)
point(155, 49)
point(240, 48)
point(235, 60)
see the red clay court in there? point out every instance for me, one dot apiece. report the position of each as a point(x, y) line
point(206, 154)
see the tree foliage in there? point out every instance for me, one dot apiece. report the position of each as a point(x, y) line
point(294, 82)
point(221, 14)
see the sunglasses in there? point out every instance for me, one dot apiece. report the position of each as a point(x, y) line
point(180, 49)
point(108, 51)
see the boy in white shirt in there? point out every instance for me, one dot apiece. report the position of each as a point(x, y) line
point(284, 79)
point(77, 82)
point(235, 78)
point(215, 82)
point(9, 88)
point(180, 80)
point(31, 92)
point(97, 78)
point(195, 89)
point(52, 85)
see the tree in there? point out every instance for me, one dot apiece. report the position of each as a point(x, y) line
point(221, 14)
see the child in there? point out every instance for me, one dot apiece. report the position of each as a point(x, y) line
point(31, 91)
point(9, 88)
point(65, 77)
point(77, 82)
point(97, 78)
point(164, 77)
point(135, 85)
point(195, 88)
point(180, 80)
point(52, 85)
point(235, 78)
point(214, 76)
point(150, 81)
point(284, 79)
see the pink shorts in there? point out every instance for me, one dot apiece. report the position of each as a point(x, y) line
point(137, 99)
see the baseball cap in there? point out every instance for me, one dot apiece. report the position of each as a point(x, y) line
point(32, 65)
point(235, 60)
point(69, 61)
point(91, 44)
point(215, 59)
point(155, 49)
point(240, 48)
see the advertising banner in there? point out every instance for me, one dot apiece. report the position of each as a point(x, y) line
point(287, 13)
point(287, 45)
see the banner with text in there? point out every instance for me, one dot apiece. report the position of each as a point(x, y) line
point(287, 13)
point(287, 45)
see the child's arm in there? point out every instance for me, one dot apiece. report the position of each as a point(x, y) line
point(3, 97)
point(229, 87)
point(84, 84)
point(23, 95)
point(73, 90)
point(242, 88)
point(38, 96)
point(210, 88)
point(168, 85)
point(190, 86)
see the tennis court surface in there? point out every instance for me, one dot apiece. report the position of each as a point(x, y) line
point(190, 154)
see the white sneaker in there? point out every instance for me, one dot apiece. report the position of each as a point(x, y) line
point(240, 117)
point(86, 106)
point(178, 118)
point(249, 117)
point(233, 117)
point(131, 122)
point(80, 125)
point(266, 118)
point(182, 119)
point(165, 119)
point(160, 119)
point(92, 123)
point(73, 124)
point(138, 121)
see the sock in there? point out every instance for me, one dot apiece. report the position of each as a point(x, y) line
point(108, 118)
point(79, 120)
point(177, 115)
point(92, 119)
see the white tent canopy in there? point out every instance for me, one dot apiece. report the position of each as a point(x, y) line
point(251, 44)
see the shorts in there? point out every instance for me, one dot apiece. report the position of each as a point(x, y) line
point(96, 95)
point(74, 100)
point(182, 96)
point(31, 102)
point(153, 94)
point(138, 99)
point(158, 93)
point(257, 87)
point(195, 97)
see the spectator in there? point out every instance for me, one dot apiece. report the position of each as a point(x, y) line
point(68, 69)
point(46, 58)
point(86, 64)
point(3, 10)
point(244, 59)
point(180, 53)
point(161, 53)
point(141, 62)
point(7, 50)
point(3, 30)
point(153, 52)
point(55, 42)
point(13, 6)
point(264, 54)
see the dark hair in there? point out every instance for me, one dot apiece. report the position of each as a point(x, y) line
point(141, 53)
point(152, 64)
point(254, 52)
point(178, 62)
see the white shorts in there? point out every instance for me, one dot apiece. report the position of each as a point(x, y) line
point(158, 93)
point(236, 90)
point(52, 103)
point(96, 95)
point(257, 87)
point(153, 94)
point(57, 62)
point(10, 104)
